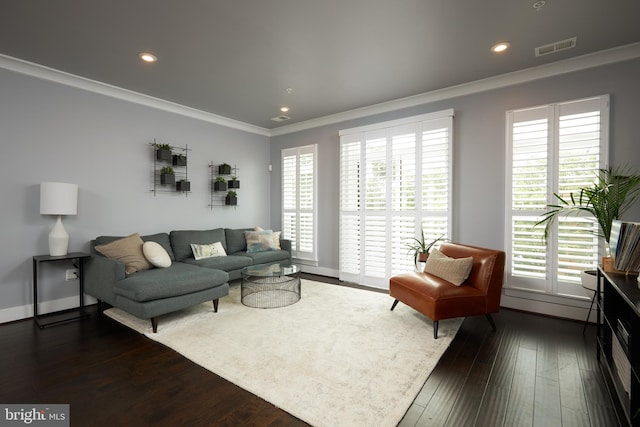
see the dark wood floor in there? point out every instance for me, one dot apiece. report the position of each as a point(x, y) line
point(533, 371)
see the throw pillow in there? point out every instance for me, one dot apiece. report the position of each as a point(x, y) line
point(208, 251)
point(276, 237)
point(260, 241)
point(127, 250)
point(454, 270)
point(156, 254)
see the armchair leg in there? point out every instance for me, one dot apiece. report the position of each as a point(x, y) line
point(394, 305)
point(490, 319)
point(435, 329)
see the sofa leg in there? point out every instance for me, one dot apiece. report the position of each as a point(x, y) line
point(435, 329)
point(215, 305)
point(490, 319)
point(394, 305)
point(154, 324)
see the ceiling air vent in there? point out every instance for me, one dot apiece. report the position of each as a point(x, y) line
point(280, 118)
point(556, 47)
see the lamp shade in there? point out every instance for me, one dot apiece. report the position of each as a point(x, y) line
point(58, 198)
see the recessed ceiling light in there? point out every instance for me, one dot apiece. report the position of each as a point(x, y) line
point(147, 57)
point(539, 5)
point(500, 47)
point(284, 109)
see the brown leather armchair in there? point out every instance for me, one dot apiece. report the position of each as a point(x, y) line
point(438, 299)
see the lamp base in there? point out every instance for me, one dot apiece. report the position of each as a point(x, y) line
point(58, 239)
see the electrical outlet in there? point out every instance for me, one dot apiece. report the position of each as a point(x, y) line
point(72, 274)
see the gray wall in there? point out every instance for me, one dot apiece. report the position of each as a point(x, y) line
point(52, 132)
point(479, 150)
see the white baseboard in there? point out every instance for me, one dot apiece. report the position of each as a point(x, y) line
point(23, 312)
point(576, 310)
point(321, 271)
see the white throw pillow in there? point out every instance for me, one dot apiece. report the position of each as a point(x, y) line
point(208, 251)
point(453, 270)
point(156, 254)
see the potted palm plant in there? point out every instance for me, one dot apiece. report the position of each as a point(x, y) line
point(607, 199)
point(420, 247)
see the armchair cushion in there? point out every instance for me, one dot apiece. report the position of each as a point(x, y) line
point(453, 270)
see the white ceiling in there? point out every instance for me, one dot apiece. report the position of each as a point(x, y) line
point(236, 58)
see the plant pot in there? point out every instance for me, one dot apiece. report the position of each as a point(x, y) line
point(230, 201)
point(422, 257)
point(167, 179)
point(183, 186)
point(163, 155)
point(589, 280)
point(179, 160)
point(220, 186)
point(234, 183)
point(224, 170)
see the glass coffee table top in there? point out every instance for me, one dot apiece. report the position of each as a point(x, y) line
point(275, 269)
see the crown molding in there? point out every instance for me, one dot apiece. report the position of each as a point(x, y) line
point(604, 57)
point(64, 78)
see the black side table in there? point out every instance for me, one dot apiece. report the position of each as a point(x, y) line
point(80, 258)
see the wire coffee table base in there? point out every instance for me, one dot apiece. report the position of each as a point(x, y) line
point(270, 292)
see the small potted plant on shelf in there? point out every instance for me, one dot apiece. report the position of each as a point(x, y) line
point(220, 184)
point(420, 247)
point(234, 182)
point(163, 152)
point(224, 169)
point(183, 185)
point(179, 160)
point(231, 199)
point(167, 176)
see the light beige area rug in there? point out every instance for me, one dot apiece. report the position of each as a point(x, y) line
point(338, 357)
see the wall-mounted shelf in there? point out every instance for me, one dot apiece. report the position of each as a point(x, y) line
point(223, 182)
point(168, 158)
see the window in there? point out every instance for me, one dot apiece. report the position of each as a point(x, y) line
point(552, 149)
point(299, 201)
point(395, 178)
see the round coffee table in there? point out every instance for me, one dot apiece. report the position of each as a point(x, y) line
point(270, 285)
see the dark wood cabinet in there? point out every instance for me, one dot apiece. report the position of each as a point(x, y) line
point(619, 341)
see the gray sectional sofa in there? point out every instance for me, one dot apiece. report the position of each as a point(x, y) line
point(150, 293)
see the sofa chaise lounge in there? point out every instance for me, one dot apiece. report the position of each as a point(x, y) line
point(186, 282)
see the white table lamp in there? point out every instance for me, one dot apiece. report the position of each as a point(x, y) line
point(58, 198)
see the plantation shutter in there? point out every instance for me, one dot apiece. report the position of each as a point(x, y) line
point(436, 172)
point(389, 190)
point(553, 149)
point(299, 201)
